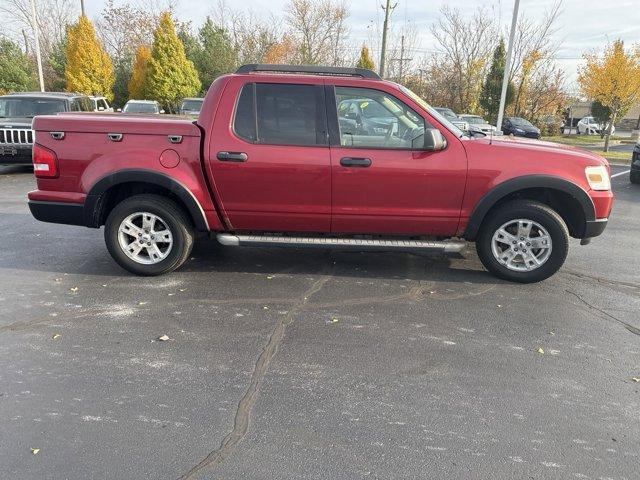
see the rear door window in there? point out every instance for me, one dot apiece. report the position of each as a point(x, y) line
point(281, 114)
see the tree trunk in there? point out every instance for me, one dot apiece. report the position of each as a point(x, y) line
point(609, 127)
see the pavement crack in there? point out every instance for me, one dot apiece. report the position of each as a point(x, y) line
point(628, 326)
point(248, 400)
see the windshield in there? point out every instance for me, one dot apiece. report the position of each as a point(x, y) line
point(135, 107)
point(474, 120)
point(29, 107)
point(520, 122)
point(193, 105)
point(433, 112)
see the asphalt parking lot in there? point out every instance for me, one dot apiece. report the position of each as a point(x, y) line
point(314, 364)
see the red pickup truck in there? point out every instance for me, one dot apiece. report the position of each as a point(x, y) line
point(315, 157)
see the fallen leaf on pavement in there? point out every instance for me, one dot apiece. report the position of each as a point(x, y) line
point(540, 350)
point(269, 277)
point(73, 289)
point(334, 320)
point(142, 303)
point(56, 335)
point(35, 450)
point(636, 379)
point(164, 338)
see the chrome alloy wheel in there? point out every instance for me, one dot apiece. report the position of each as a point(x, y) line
point(145, 238)
point(521, 245)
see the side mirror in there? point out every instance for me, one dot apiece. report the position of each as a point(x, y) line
point(433, 140)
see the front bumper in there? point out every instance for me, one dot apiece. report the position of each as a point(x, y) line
point(57, 212)
point(15, 155)
point(635, 159)
point(594, 228)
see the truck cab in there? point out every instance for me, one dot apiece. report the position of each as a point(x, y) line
point(278, 158)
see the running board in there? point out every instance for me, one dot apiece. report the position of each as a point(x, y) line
point(451, 246)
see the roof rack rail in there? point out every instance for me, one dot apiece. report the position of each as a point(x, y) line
point(309, 69)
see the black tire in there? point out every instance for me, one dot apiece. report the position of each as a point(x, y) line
point(173, 216)
point(531, 210)
point(634, 176)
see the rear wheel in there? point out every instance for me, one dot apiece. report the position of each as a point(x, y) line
point(148, 235)
point(634, 176)
point(523, 241)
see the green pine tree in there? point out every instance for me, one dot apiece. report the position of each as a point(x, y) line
point(365, 60)
point(17, 72)
point(217, 55)
point(492, 88)
point(171, 76)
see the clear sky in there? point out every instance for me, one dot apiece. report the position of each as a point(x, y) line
point(584, 25)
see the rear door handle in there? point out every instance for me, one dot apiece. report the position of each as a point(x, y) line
point(355, 162)
point(232, 156)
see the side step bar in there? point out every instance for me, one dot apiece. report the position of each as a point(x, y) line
point(450, 246)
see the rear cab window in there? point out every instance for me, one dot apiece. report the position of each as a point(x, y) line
point(281, 114)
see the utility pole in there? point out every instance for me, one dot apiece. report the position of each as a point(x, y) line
point(82, 7)
point(36, 36)
point(385, 27)
point(402, 58)
point(507, 66)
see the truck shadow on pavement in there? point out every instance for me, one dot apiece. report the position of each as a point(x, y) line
point(208, 255)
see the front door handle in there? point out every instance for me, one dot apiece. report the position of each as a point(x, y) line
point(232, 156)
point(355, 162)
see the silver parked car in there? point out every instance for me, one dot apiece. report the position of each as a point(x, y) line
point(453, 118)
point(191, 106)
point(478, 124)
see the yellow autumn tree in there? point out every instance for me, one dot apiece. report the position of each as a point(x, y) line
point(613, 80)
point(138, 83)
point(171, 76)
point(89, 69)
point(282, 52)
point(365, 60)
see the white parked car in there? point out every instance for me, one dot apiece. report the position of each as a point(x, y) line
point(589, 126)
point(100, 104)
point(142, 106)
point(478, 124)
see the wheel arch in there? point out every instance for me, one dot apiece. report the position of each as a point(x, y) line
point(570, 201)
point(109, 190)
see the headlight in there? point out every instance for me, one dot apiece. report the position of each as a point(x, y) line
point(598, 177)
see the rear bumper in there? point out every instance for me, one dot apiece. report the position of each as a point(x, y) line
point(57, 212)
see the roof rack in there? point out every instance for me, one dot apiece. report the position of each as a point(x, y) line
point(309, 69)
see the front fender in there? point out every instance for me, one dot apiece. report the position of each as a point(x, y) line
point(514, 185)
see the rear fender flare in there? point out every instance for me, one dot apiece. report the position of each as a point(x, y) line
point(514, 185)
point(95, 197)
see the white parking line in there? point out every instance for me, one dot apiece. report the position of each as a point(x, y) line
point(621, 173)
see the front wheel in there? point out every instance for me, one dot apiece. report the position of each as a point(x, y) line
point(523, 241)
point(148, 235)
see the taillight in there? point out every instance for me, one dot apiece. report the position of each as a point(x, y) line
point(45, 162)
